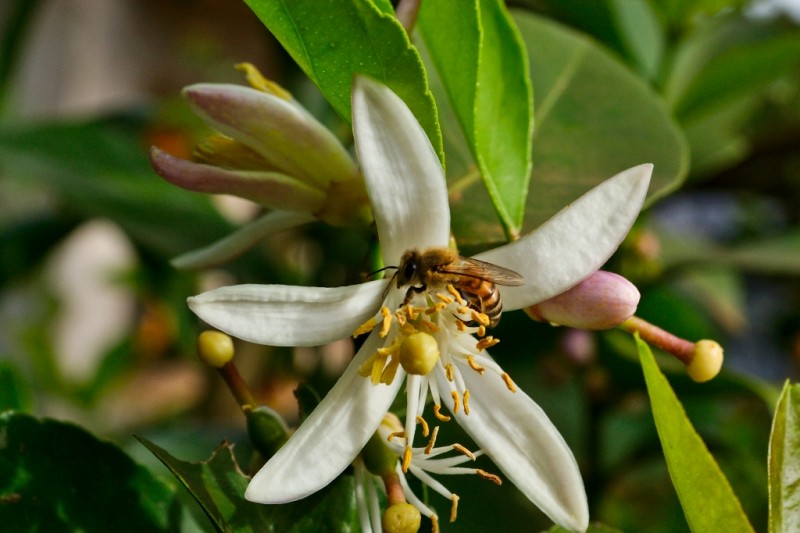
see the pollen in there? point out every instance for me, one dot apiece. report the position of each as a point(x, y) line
point(461, 326)
point(432, 440)
point(444, 298)
point(407, 453)
point(387, 321)
point(396, 434)
point(448, 371)
point(481, 331)
point(425, 429)
point(486, 342)
point(366, 327)
point(466, 401)
point(456, 405)
point(390, 371)
point(454, 508)
point(412, 312)
point(434, 524)
point(430, 326)
point(435, 308)
point(437, 413)
point(491, 477)
point(463, 449)
point(480, 318)
point(509, 383)
point(457, 295)
point(474, 365)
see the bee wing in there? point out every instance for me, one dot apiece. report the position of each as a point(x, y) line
point(475, 268)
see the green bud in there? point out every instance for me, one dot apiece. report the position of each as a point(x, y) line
point(267, 430)
point(377, 456)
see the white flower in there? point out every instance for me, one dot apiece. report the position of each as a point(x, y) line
point(407, 191)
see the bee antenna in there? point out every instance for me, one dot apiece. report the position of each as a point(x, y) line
point(381, 270)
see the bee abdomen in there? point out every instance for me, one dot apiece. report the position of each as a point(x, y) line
point(485, 299)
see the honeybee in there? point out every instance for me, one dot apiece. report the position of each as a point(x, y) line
point(475, 280)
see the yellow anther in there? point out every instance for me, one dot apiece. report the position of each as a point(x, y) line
point(466, 401)
point(439, 415)
point(491, 477)
point(401, 317)
point(389, 372)
point(448, 371)
point(258, 81)
point(407, 330)
point(432, 440)
point(406, 458)
point(457, 295)
point(474, 365)
point(454, 508)
point(460, 448)
point(367, 368)
point(481, 330)
point(396, 434)
point(425, 428)
point(412, 312)
point(366, 327)
point(464, 310)
point(509, 383)
point(480, 318)
point(435, 308)
point(387, 321)
point(430, 326)
point(434, 524)
point(454, 395)
point(461, 326)
point(444, 298)
point(486, 342)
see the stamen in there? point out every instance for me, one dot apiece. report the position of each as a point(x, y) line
point(466, 401)
point(457, 295)
point(387, 321)
point(444, 298)
point(461, 326)
point(460, 448)
point(448, 371)
point(398, 434)
point(366, 327)
point(434, 524)
point(491, 477)
point(464, 310)
point(454, 394)
point(401, 317)
point(475, 366)
point(425, 429)
point(480, 318)
point(509, 383)
point(406, 458)
point(390, 371)
point(412, 311)
point(481, 331)
point(430, 326)
point(440, 416)
point(408, 329)
point(454, 508)
point(432, 440)
point(435, 308)
point(486, 342)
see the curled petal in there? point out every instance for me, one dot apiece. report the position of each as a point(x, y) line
point(330, 438)
point(286, 315)
point(282, 132)
point(602, 301)
point(270, 189)
point(241, 240)
point(517, 435)
point(575, 242)
point(404, 178)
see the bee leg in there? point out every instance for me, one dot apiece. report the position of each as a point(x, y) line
point(411, 292)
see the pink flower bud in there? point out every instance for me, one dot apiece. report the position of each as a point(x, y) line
point(601, 301)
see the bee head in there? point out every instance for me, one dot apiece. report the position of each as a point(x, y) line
point(409, 267)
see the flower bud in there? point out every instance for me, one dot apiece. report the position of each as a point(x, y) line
point(378, 457)
point(419, 353)
point(601, 301)
point(215, 348)
point(267, 430)
point(401, 518)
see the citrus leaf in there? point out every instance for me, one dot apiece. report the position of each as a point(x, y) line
point(784, 461)
point(57, 477)
point(482, 64)
point(708, 501)
point(332, 41)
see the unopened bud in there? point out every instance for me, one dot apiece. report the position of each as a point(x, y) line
point(401, 518)
point(215, 348)
point(707, 361)
point(378, 457)
point(267, 430)
point(601, 301)
point(419, 353)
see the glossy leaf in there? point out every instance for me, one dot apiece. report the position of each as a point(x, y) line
point(708, 501)
point(784, 461)
point(482, 64)
point(57, 477)
point(332, 41)
point(218, 485)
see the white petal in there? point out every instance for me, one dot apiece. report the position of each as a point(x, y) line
point(517, 435)
point(285, 315)
point(241, 240)
point(575, 242)
point(330, 438)
point(404, 178)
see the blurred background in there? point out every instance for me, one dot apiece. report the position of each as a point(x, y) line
point(93, 323)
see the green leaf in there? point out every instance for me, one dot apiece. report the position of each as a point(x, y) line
point(481, 61)
point(593, 119)
point(57, 477)
point(14, 392)
point(784, 461)
point(708, 501)
point(99, 169)
point(218, 485)
point(332, 41)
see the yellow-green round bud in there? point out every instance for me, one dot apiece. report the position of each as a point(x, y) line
point(707, 361)
point(419, 353)
point(401, 518)
point(215, 348)
point(378, 458)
